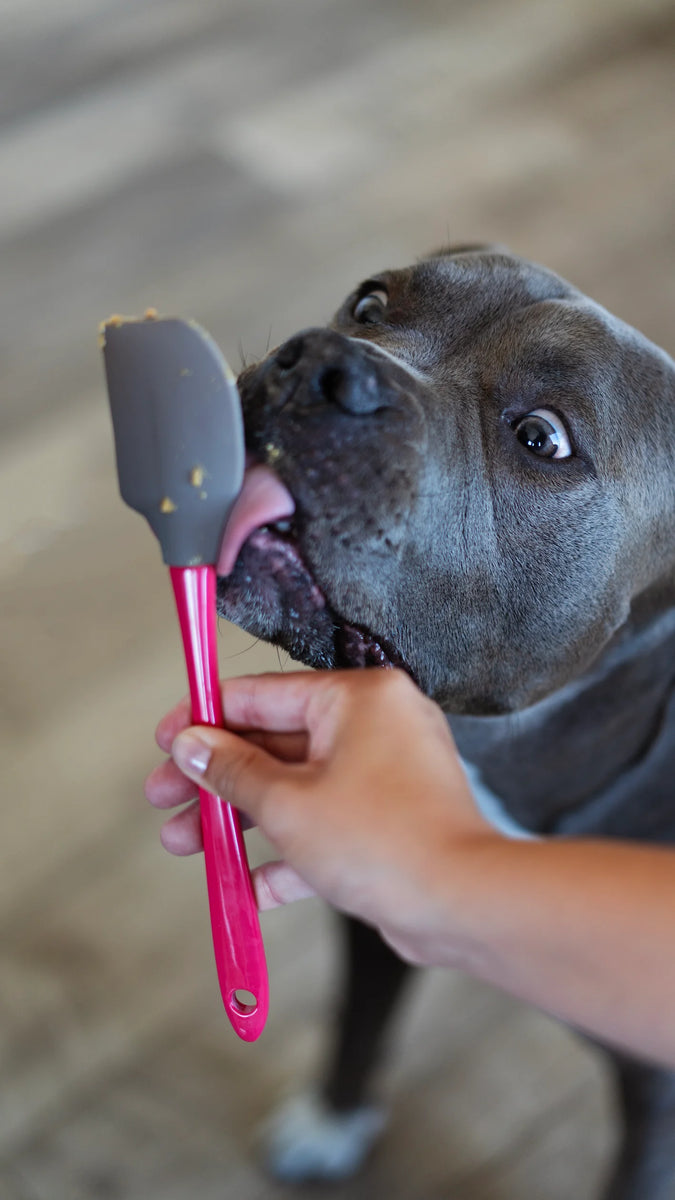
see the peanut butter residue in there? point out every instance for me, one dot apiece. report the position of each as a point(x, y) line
point(114, 322)
point(197, 475)
point(116, 319)
point(167, 505)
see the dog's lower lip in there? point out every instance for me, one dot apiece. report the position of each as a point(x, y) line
point(358, 648)
point(282, 553)
point(354, 645)
point(264, 518)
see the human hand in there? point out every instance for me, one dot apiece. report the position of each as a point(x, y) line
point(353, 777)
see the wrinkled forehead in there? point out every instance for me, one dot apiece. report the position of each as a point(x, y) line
point(518, 306)
point(472, 287)
point(564, 334)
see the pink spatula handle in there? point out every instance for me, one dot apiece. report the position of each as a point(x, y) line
point(237, 940)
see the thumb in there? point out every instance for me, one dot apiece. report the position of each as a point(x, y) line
point(223, 763)
point(276, 883)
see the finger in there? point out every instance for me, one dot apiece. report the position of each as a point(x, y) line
point(272, 702)
point(227, 765)
point(287, 747)
point(167, 787)
point(182, 834)
point(275, 883)
point(171, 724)
point(277, 703)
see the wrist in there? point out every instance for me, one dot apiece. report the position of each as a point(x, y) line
point(485, 866)
point(460, 924)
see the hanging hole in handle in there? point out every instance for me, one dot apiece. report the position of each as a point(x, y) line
point(243, 1002)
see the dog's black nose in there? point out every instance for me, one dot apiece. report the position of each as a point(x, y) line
point(327, 368)
point(351, 386)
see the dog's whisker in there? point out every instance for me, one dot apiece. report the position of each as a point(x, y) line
point(246, 650)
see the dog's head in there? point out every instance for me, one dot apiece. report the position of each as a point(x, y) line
point(469, 472)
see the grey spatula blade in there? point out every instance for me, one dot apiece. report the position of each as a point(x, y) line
point(179, 437)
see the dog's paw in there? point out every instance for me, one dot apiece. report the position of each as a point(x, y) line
point(303, 1139)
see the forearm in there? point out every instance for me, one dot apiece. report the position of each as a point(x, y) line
point(582, 929)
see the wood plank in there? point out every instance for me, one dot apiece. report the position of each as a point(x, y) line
point(431, 134)
point(12, 1187)
point(120, 962)
point(132, 1144)
point(192, 1110)
point(572, 1145)
point(53, 53)
point(455, 1114)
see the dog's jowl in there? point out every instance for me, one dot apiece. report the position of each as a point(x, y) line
point(470, 474)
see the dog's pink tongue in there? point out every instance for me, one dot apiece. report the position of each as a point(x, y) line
point(262, 500)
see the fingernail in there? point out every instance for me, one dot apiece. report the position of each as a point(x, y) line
point(191, 754)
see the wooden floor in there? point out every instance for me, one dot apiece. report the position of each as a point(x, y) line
point(246, 162)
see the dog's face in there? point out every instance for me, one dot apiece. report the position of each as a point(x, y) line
point(469, 472)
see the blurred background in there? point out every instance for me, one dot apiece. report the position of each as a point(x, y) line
point(247, 162)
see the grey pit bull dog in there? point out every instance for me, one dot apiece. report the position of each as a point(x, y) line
point(470, 474)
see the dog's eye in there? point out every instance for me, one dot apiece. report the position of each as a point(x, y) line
point(544, 433)
point(371, 308)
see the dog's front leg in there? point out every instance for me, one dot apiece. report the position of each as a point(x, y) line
point(327, 1133)
point(373, 983)
point(645, 1169)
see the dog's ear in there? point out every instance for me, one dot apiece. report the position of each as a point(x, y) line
point(469, 248)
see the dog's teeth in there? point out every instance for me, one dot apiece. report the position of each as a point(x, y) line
point(280, 527)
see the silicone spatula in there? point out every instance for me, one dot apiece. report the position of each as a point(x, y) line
point(179, 445)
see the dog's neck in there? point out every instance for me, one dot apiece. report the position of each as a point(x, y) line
point(549, 759)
